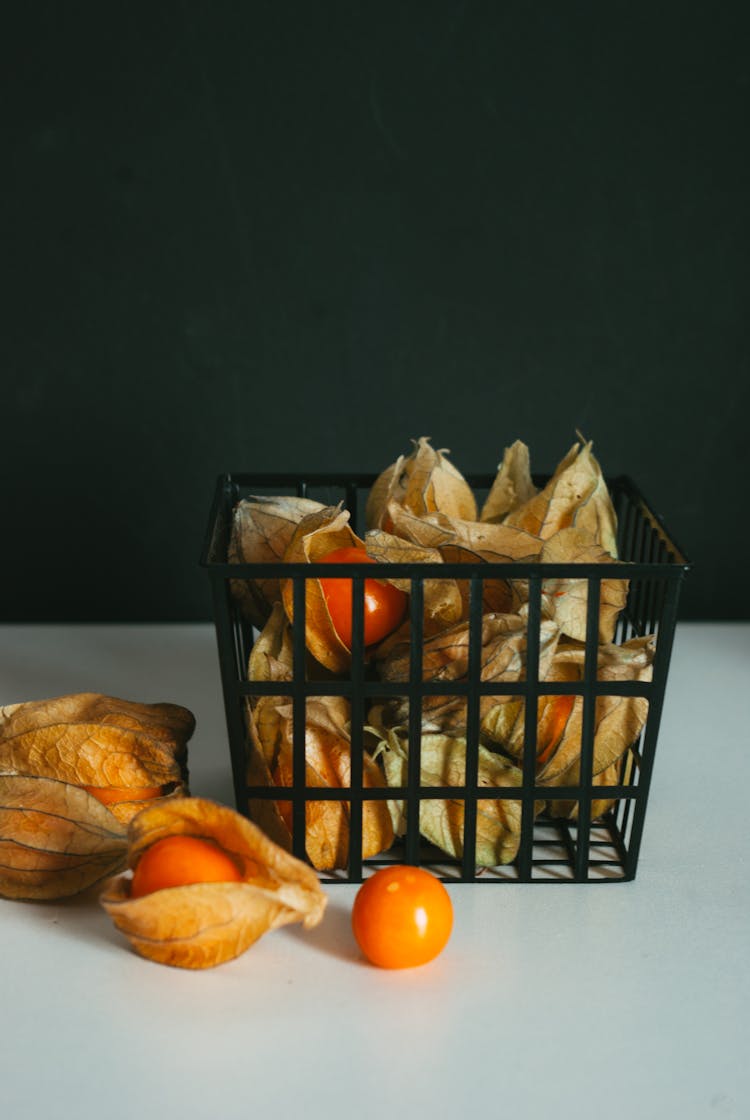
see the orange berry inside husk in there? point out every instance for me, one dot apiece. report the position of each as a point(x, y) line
point(385, 605)
point(178, 861)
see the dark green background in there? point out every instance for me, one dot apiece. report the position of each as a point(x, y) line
point(290, 236)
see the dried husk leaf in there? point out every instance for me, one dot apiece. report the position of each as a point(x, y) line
point(469, 542)
point(576, 495)
point(416, 528)
point(565, 600)
point(56, 840)
point(206, 924)
point(327, 766)
point(441, 821)
point(512, 486)
point(618, 720)
point(446, 658)
point(272, 656)
point(271, 659)
point(261, 531)
point(88, 739)
point(315, 536)
point(422, 483)
point(499, 544)
point(171, 724)
point(615, 774)
point(475, 542)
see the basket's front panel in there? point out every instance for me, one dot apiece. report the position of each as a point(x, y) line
point(502, 749)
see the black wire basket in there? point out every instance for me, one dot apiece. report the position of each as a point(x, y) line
point(586, 830)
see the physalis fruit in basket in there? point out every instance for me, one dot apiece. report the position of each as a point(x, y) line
point(206, 884)
point(402, 917)
point(385, 605)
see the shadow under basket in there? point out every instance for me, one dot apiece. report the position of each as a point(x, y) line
point(582, 825)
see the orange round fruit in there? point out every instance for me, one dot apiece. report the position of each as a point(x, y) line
point(402, 917)
point(176, 861)
point(385, 605)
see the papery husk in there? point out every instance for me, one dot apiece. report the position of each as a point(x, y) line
point(471, 542)
point(205, 924)
point(576, 495)
point(56, 840)
point(422, 482)
point(565, 600)
point(616, 774)
point(445, 657)
point(442, 598)
point(271, 659)
point(618, 720)
point(327, 766)
point(315, 536)
point(441, 821)
point(513, 485)
point(261, 531)
point(87, 739)
point(272, 655)
point(499, 544)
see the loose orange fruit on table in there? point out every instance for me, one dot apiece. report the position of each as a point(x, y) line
point(176, 861)
point(402, 917)
point(385, 605)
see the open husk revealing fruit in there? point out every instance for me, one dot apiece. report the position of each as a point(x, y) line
point(118, 750)
point(315, 537)
point(205, 924)
point(55, 839)
point(618, 720)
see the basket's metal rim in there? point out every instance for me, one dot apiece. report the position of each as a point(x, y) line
point(678, 562)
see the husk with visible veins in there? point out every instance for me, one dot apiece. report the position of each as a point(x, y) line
point(500, 544)
point(327, 755)
point(261, 531)
point(471, 542)
point(327, 766)
point(441, 821)
point(576, 495)
point(88, 739)
point(616, 774)
point(446, 658)
point(565, 600)
point(422, 482)
point(315, 536)
point(271, 659)
point(512, 486)
point(205, 924)
point(618, 720)
point(56, 840)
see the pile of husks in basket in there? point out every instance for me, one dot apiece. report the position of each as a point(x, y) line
point(422, 510)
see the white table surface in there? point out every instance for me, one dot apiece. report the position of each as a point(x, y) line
point(606, 1000)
